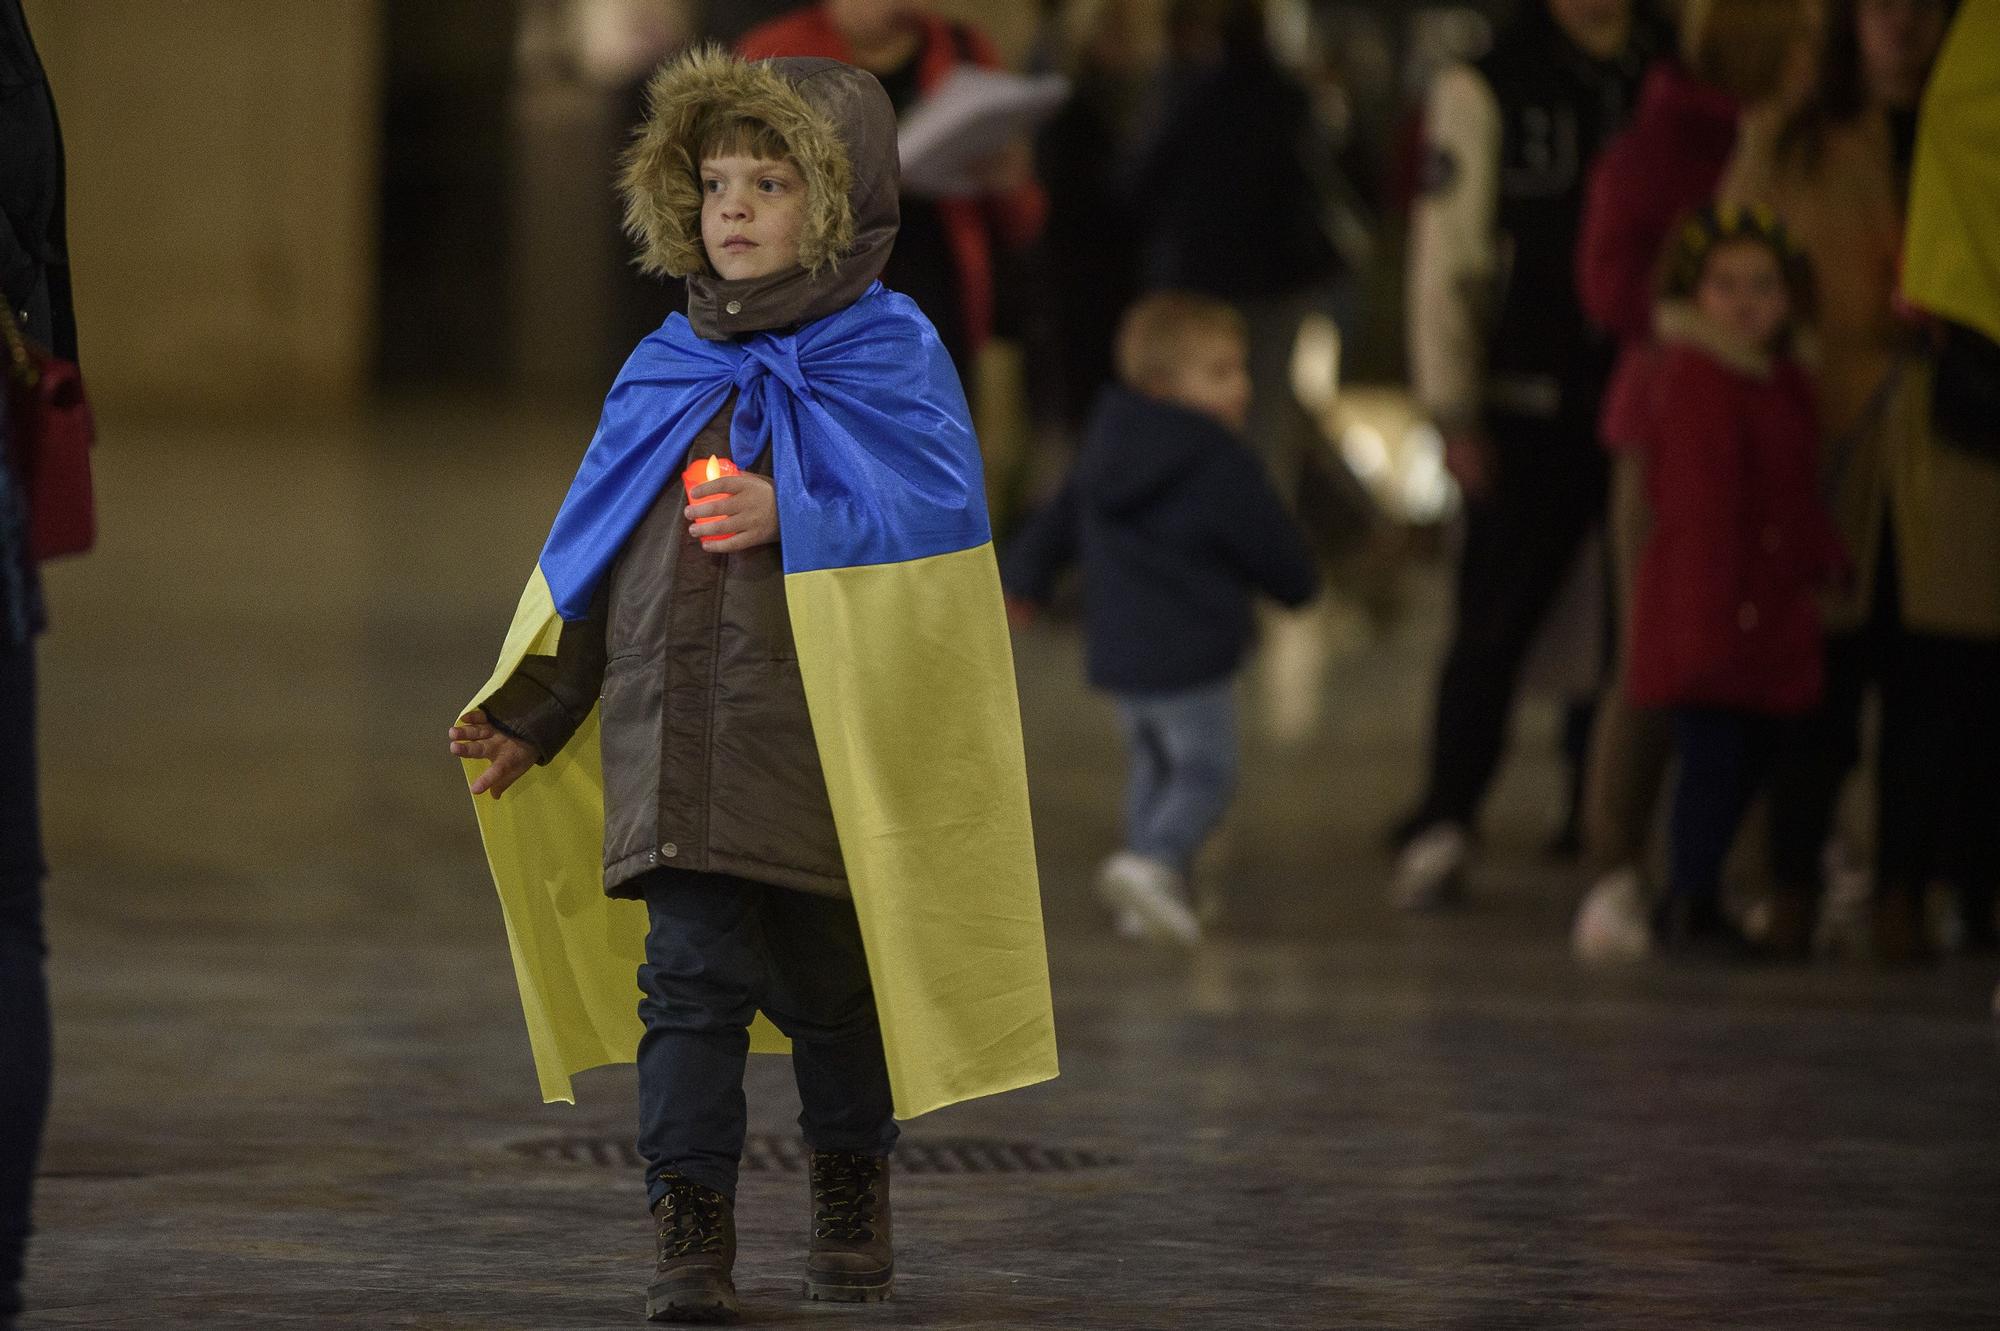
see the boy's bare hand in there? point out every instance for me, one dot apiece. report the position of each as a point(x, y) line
point(748, 506)
point(475, 737)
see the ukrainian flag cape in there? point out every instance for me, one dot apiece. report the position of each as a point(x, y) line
point(896, 607)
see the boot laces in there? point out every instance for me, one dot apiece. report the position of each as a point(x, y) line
point(690, 1220)
point(844, 1196)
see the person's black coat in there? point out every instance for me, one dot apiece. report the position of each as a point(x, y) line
point(1092, 266)
point(1177, 528)
point(34, 255)
point(1232, 205)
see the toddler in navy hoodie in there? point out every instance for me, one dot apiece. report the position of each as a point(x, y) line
point(1177, 528)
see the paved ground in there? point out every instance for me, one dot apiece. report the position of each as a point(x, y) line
point(295, 1092)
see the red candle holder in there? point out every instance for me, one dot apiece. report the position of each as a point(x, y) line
point(699, 472)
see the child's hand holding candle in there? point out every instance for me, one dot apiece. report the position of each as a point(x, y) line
point(729, 509)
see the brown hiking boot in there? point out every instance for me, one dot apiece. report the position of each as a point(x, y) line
point(851, 1260)
point(697, 1249)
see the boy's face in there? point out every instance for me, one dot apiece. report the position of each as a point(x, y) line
point(1743, 289)
point(752, 210)
point(1213, 378)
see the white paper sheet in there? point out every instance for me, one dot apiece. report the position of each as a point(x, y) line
point(965, 120)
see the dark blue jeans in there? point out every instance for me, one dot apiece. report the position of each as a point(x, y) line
point(720, 949)
point(1725, 759)
point(24, 994)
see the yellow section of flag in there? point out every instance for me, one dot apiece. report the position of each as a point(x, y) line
point(576, 951)
point(909, 678)
point(909, 675)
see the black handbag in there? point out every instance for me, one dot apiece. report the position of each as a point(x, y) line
point(1965, 397)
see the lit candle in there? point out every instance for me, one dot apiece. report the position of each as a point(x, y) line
point(703, 470)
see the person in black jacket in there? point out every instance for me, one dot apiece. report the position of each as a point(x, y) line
point(1507, 367)
point(1231, 189)
point(34, 281)
point(1177, 527)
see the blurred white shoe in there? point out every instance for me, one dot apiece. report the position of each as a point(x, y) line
point(1127, 923)
point(1431, 870)
point(1846, 916)
point(1133, 885)
point(1611, 924)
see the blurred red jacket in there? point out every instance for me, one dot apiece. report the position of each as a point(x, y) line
point(1725, 612)
point(1016, 216)
point(1661, 167)
point(1664, 165)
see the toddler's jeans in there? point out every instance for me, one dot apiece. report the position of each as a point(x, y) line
point(1181, 751)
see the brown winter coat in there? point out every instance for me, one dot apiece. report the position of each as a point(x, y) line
point(709, 757)
point(1846, 211)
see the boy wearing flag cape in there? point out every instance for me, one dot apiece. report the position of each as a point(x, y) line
point(759, 738)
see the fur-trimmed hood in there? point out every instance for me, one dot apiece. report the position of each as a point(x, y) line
point(841, 130)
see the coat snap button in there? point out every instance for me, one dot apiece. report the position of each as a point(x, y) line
point(670, 850)
point(734, 307)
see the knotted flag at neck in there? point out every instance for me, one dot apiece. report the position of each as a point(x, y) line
point(873, 451)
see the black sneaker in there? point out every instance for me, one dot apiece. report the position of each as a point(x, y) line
point(697, 1249)
point(851, 1259)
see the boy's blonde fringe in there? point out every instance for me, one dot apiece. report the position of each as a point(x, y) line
point(660, 178)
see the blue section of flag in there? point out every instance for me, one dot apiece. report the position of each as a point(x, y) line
point(872, 445)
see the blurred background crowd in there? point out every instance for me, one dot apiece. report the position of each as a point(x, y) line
point(1441, 225)
point(1453, 235)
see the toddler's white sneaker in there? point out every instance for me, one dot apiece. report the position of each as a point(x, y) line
point(1845, 927)
point(1135, 887)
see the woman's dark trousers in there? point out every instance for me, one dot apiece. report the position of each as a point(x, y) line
point(24, 995)
point(1520, 543)
point(1938, 781)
